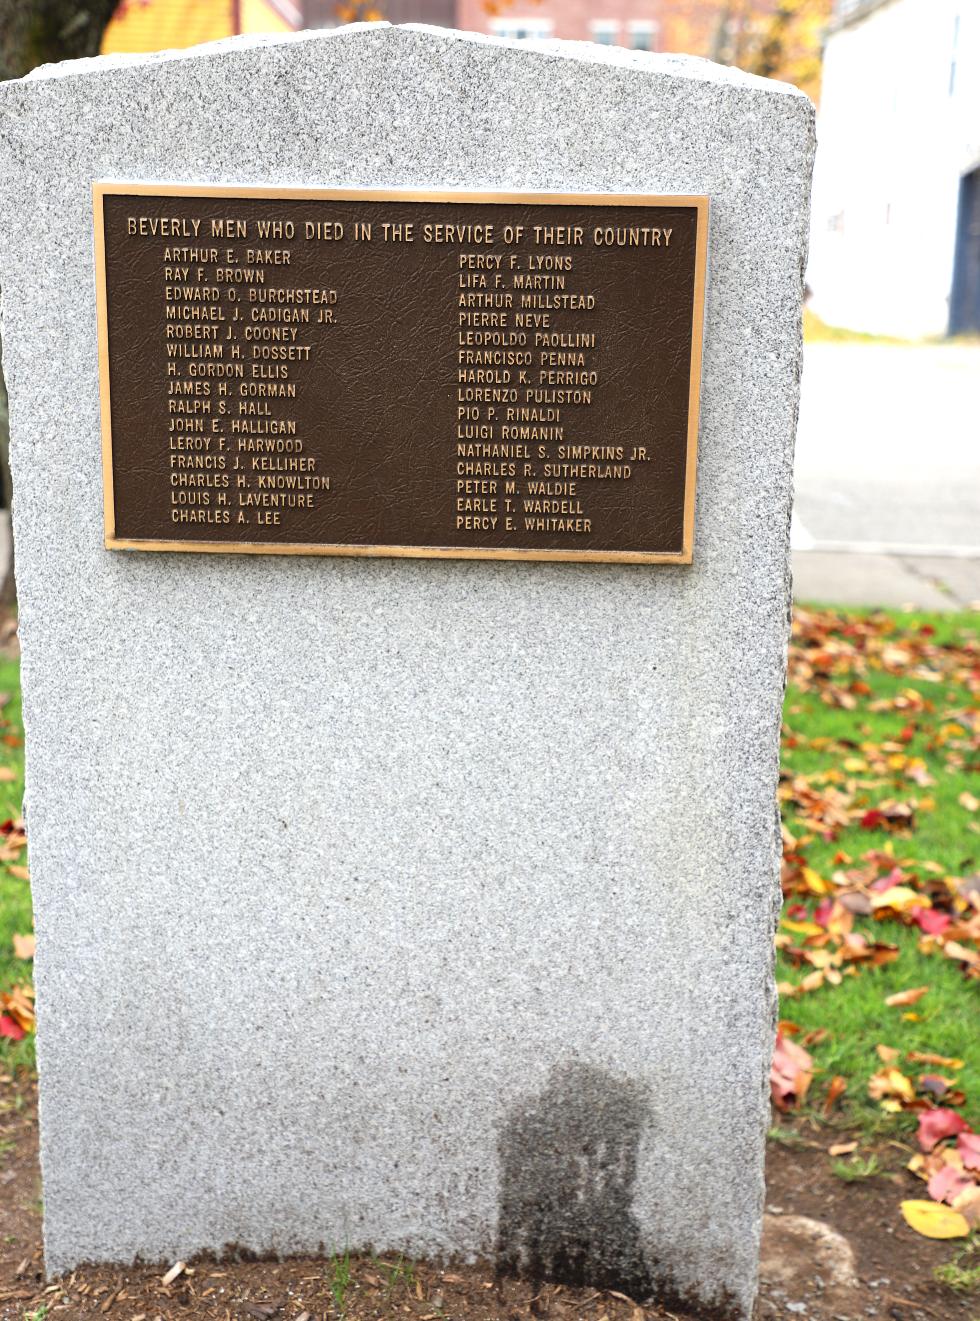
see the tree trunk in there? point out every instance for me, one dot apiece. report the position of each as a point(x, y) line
point(36, 32)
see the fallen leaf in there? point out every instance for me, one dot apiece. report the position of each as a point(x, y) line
point(837, 1088)
point(933, 1220)
point(954, 950)
point(8, 1028)
point(791, 1073)
point(941, 1061)
point(946, 1184)
point(968, 1205)
point(968, 801)
point(930, 921)
point(890, 1082)
point(842, 1148)
point(174, 1271)
point(899, 897)
point(935, 1125)
point(968, 1146)
point(907, 997)
point(887, 1054)
point(23, 947)
point(22, 873)
point(6, 774)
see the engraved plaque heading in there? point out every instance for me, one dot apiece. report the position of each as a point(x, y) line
point(468, 375)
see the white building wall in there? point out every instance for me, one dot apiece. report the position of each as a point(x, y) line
point(899, 124)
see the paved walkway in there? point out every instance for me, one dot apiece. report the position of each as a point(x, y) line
point(888, 476)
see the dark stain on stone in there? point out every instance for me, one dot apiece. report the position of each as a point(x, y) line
point(568, 1167)
point(568, 1162)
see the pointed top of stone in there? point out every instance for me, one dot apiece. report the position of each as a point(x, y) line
point(423, 36)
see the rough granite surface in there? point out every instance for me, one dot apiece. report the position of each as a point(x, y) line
point(415, 904)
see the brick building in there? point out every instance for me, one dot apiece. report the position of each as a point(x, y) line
point(634, 23)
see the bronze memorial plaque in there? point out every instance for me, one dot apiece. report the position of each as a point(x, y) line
point(470, 375)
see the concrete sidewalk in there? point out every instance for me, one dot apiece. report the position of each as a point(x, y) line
point(917, 582)
point(888, 476)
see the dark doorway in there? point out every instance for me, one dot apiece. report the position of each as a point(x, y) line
point(964, 302)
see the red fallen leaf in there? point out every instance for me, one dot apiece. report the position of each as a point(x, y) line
point(907, 734)
point(947, 1184)
point(791, 1073)
point(872, 820)
point(929, 920)
point(797, 912)
point(968, 1145)
point(8, 1028)
point(934, 1125)
point(822, 912)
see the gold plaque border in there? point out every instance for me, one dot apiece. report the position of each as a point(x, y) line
point(102, 188)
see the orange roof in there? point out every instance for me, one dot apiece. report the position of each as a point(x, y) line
point(139, 26)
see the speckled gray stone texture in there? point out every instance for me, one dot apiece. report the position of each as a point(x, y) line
point(422, 905)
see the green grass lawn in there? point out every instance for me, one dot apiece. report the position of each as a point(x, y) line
point(868, 755)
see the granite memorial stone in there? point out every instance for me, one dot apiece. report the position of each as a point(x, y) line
point(382, 902)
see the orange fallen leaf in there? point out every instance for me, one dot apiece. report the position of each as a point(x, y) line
point(837, 1088)
point(23, 947)
point(887, 1054)
point(907, 997)
point(941, 1061)
point(22, 873)
point(933, 1220)
point(6, 774)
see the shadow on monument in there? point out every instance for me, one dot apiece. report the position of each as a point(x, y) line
point(568, 1167)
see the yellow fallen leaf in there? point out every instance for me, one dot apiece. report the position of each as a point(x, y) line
point(933, 1220)
point(815, 882)
point(911, 1018)
point(801, 928)
point(907, 997)
point(899, 897)
point(23, 947)
point(890, 1082)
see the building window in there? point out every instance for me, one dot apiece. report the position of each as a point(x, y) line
point(643, 34)
point(605, 31)
point(522, 29)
